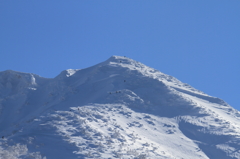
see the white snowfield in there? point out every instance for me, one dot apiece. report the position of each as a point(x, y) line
point(119, 108)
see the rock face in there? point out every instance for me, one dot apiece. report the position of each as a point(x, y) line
point(119, 108)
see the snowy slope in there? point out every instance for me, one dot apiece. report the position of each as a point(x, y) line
point(119, 108)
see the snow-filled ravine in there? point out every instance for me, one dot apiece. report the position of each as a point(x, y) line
point(119, 108)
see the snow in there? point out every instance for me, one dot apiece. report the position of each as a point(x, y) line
point(119, 108)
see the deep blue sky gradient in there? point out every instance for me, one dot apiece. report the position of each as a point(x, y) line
point(197, 42)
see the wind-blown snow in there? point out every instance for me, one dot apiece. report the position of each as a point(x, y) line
point(119, 108)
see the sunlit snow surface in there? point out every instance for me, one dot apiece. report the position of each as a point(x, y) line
point(119, 108)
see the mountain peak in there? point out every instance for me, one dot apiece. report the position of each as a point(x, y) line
point(129, 63)
point(119, 108)
point(119, 60)
point(116, 57)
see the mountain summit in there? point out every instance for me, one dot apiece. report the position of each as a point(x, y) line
point(119, 108)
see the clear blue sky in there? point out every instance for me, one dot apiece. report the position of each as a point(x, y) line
point(197, 42)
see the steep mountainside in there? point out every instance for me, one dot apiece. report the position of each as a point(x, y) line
point(119, 108)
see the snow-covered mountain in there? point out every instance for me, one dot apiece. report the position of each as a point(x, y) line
point(119, 108)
